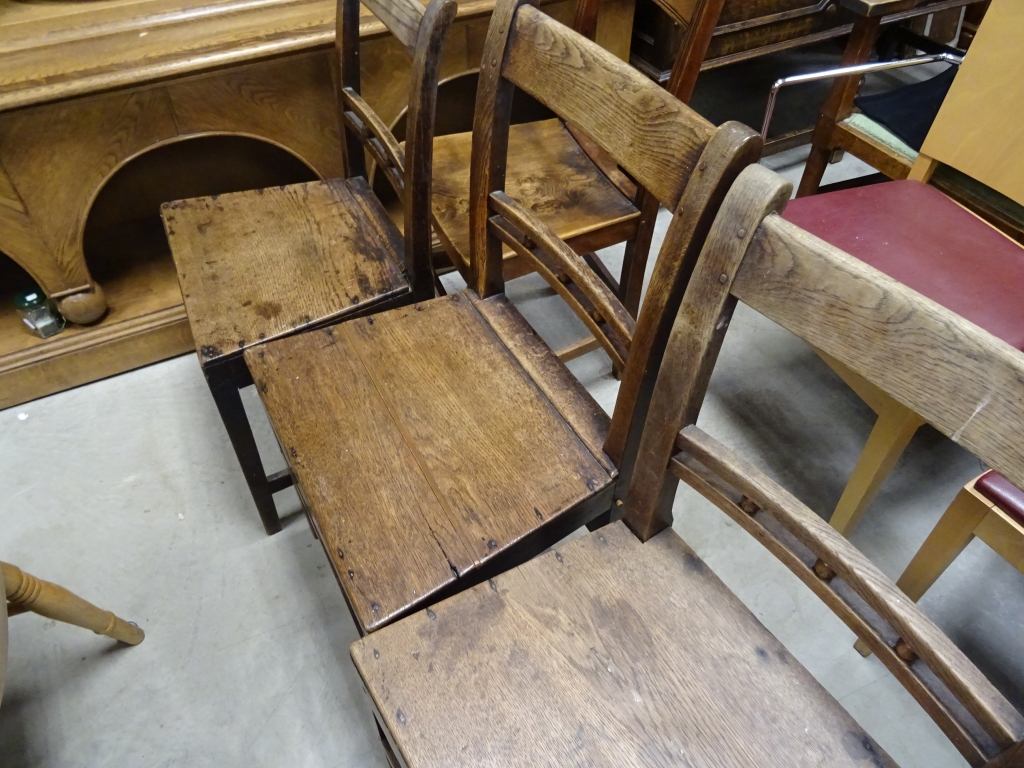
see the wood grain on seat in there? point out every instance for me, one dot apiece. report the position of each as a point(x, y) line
point(280, 259)
point(425, 450)
point(549, 173)
point(603, 652)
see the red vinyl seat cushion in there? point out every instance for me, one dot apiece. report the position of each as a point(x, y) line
point(1001, 492)
point(917, 235)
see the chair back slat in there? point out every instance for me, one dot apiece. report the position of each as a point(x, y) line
point(401, 17)
point(653, 136)
point(958, 377)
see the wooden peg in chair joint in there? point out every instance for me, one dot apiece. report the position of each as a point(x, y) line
point(749, 506)
point(822, 570)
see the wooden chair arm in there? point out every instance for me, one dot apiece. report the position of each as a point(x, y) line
point(570, 264)
point(871, 8)
point(980, 722)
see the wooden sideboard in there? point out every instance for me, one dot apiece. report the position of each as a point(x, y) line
point(109, 107)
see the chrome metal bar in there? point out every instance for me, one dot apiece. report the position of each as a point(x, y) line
point(857, 69)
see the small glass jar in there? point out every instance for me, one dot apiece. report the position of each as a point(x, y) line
point(39, 313)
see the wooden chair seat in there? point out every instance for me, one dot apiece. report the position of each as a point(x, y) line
point(915, 234)
point(603, 652)
point(282, 259)
point(432, 444)
point(547, 172)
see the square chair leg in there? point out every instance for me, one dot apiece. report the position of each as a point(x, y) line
point(224, 385)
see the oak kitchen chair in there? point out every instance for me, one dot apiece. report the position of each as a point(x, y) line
point(443, 442)
point(559, 173)
point(622, 648)
point(268, 263)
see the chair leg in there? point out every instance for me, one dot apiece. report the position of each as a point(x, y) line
point(814, 170)
point(953, 532)
point(26, 592)
point(232, 413)
point(892, 432)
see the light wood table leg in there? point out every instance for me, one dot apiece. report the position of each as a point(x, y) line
point(26, 592)
point(895, 426)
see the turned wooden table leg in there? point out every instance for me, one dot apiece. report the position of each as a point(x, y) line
point(26, 592)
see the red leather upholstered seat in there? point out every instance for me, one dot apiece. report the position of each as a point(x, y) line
point(915, 234)
point(1001, 492)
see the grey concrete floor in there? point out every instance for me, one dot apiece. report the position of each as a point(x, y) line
point(127, 492)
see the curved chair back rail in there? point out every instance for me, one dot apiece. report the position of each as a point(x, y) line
point(421, 30)
point(963, 380)
point(678, 157)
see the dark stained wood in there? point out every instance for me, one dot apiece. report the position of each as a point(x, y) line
point(508, 443)
point(401, 17)
point(372, 414)
point(579, 164)
point(603, 652)
point(644, 135)
point(560, 387)
point(419, 172)
point(569, 263)
point(691, 50)
point(992, 712)
point(877, 7)
point(696, 337)
point(490, 151)
point(896, 339)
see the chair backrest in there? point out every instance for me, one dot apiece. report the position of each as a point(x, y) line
point(974, 131)
point(680, 158)
point(421, 30)
point(960, 378)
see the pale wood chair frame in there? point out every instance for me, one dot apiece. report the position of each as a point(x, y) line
point(866, 321)
point(421, 30)
point(970, 515)
point(896, 424)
